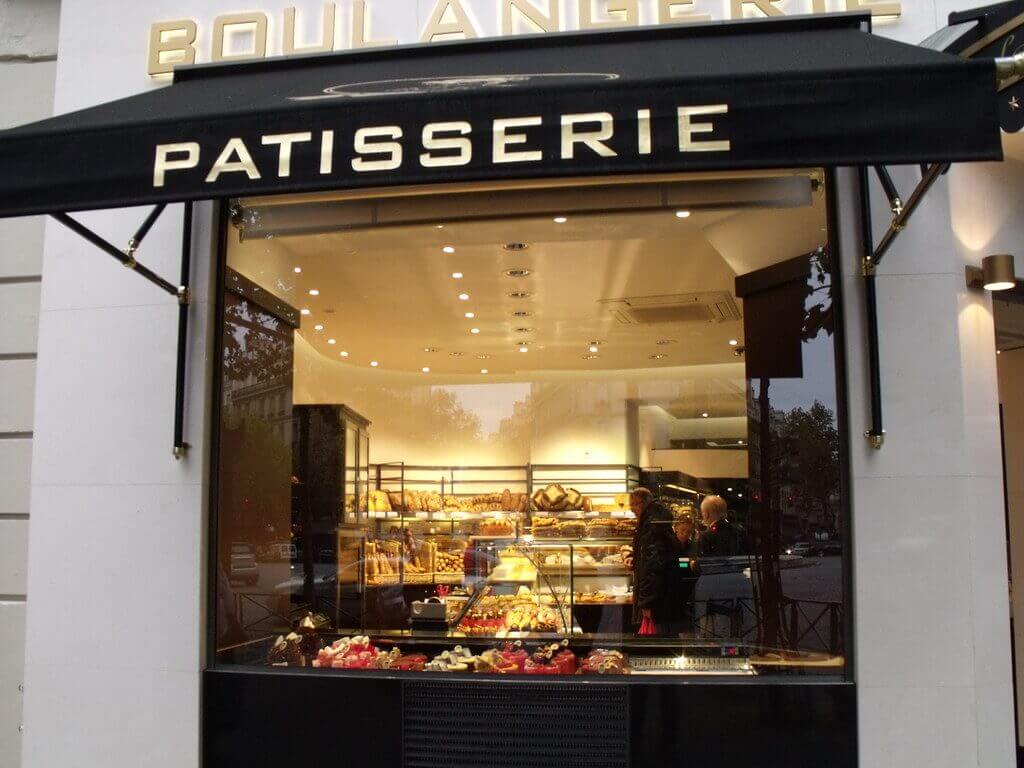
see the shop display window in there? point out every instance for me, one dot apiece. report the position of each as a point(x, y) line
point(584, 427)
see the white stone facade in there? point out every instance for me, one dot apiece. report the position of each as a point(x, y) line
point(116, 566)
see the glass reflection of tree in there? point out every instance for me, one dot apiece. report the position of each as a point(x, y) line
point(799, 446)
point(255, 494)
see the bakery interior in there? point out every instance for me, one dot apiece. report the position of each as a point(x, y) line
point(435, 404)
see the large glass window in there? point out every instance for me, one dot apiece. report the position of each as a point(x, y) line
point(558, 428)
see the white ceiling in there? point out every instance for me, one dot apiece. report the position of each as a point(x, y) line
point(387, 292)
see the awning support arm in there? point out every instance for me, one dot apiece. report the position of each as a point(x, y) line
point(874, 433)
point(181, 292)
point(180, 446)
point(127, 256)
point(895, 203)
point(872, 257)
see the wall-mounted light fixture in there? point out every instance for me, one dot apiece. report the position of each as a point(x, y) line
point(996, 273)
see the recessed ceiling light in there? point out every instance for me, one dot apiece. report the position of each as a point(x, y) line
point(374, 363)
point(593, 346)
point(469, 315)
point(517, 272)
point(523, 329)
point(425, 369)
point(729, 490)
point(483, 370)
point(524, 349)
point(314, 292)
point(483, 357)
point(656, 357)
point(332, 341)
point(705, 414)
point(522, 313)
point(733, 342)
point(297, 270)
point(463, 297)
point(456, 354)
point(740, 442)
point(304, 311)
point(430, 349)
point(456, 275)
point(740, 495)
point(439, 226)
point(520, 295)
point(449, 249)
point(474, 330)
point(559, 219)
point(682, 214)
point(515, 246)
point(318, 327)
point(665, 342)
point(343, 353)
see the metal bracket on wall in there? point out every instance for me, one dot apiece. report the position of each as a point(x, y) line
point(181, 293)
point(869, 264)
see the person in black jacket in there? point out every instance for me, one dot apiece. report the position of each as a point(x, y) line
point(721, 538)
point(657, 589)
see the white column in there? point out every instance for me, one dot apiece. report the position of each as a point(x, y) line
point(931, 612)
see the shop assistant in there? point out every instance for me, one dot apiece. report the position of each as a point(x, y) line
point(721, 538)
point(657, 592)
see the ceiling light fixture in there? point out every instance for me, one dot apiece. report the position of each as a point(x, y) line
point(425, 369)
point(517, 272)
point(343, 353)
point(524, 348)
point(463, 297)
point(456, 354)
point(656, 357)
point(374, 363)
point(456, 275)
point(682, 214)
point(729, 490)
point(733, 342)
point(332, 341)
point(474, 330)
point(483, 357)
point(430, 349)
point(559, 219)
point(304, 311)
point(515, 246)
point(470, 315)
point(592, 347)
point(705, 415)
point(298, 270)
point(439, 226)
point(739, 442)
point(314, 292)
point(318, 327)
point(449, 249)
point(483, 370)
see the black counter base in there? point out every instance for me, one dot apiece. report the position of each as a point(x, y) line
point(258, 719)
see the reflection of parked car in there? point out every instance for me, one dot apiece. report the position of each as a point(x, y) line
point(242, 565)
point(824, 548)
point(799, 549)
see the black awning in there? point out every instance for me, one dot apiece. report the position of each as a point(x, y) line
point(757, 94)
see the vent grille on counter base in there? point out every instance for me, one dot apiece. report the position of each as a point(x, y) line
point(471, 724)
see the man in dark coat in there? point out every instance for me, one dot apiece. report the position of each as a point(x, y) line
point(657, 589)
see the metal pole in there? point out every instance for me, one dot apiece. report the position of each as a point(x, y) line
point(875, 433)
point(895, 204)
point(184, 299)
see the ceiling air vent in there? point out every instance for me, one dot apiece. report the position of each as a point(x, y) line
point(708, 307)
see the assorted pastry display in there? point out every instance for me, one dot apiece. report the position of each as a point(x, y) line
point(413, 501)
point(359, 652)
point(600, 597)
point(298, 648)
point(549, 527)
point(525, 611)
